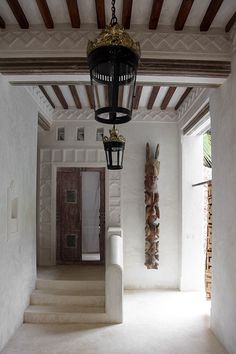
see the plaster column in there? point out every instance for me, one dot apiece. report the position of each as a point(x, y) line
point(223, 114)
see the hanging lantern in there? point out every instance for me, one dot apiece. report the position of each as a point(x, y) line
point(113, 60)
point(114, 147)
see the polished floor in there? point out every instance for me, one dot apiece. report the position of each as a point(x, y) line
point(163, 322)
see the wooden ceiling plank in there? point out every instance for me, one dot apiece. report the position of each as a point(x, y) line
point(167, 98)
point(45, 13)
point(137, 96)
point(126, 14)
point(2, 23)
point(183, 97)
point(101, 18)
point(155, 13)
point(183, 14)
point(153, 96)
point(74, 13)
point(75, 96)
point(18, 13)
point(47, 96)
point(210, 14)
point(60, 96)
point(89, 95)
point(230, 23)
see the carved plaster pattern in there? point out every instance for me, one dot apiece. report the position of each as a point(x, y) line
point(68, 42)
point(142, 115)
point(189, 101)
point(68, 156)
point(41, 101)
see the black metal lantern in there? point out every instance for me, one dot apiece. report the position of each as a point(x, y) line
point(113, 60)
point(114, 147)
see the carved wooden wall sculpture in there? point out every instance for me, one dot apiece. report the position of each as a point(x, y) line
point(208, 269)
point(152, 168)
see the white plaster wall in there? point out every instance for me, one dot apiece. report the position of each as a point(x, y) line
point(223, 114)
point(18, 146)
point(192, 251)
point(132, 197)
point(136, 275)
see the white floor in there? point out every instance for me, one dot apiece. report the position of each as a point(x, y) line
point(163, 322)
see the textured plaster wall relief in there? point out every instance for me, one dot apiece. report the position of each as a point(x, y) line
point(152, 168)
point(161, 44)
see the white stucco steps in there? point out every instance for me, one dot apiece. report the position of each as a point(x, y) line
point(70, 284)
point(65, 314)
point(67, 297)
point(67, 301)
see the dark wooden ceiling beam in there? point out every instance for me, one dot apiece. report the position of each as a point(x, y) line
point(2, 23)
point(183, 97)
point(153, 96)
point(18, 13)
point(230, 23)
point(75, 96)
point(60, 96)
point(155, 13)
point(210, 14)
point(47, 96)
point(89, 95)
point(101, 17)
point(45, 13)
point(74, 13)
point(126, 14)
point(137, 96)
point(183, 14)
point(167, 98)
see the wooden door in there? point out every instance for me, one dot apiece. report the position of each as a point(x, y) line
point(69, 215)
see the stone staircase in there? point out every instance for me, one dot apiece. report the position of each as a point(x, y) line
point(67, 301)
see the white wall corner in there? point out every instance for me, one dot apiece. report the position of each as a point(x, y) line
point(43, 105)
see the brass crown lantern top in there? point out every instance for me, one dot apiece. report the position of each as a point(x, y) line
point(114, 34)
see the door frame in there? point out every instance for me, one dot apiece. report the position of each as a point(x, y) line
point(55, 166)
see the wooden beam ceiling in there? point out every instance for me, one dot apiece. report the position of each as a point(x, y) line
point(137, 96)
point(89, 95)
point(183, 14)
point(155, 13)
point(210, 14)
point(74, 13)
point(230, 23)
point(47, 96)
point(75, 96)
point(2, 23)
point(45, 13)
point(167, 98)
point(183, 97)
point(18, 13)
point(126, 14)
point(60, 96)
point(153, 96)
point(101, 18)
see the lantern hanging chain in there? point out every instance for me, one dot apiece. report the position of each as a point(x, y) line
point(113, 11)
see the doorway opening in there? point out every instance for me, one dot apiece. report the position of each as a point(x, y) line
point(80, 216)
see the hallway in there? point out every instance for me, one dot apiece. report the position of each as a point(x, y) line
point(164, 322)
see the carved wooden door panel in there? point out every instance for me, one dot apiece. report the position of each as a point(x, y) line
point(68, 215)
point(70, 210)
